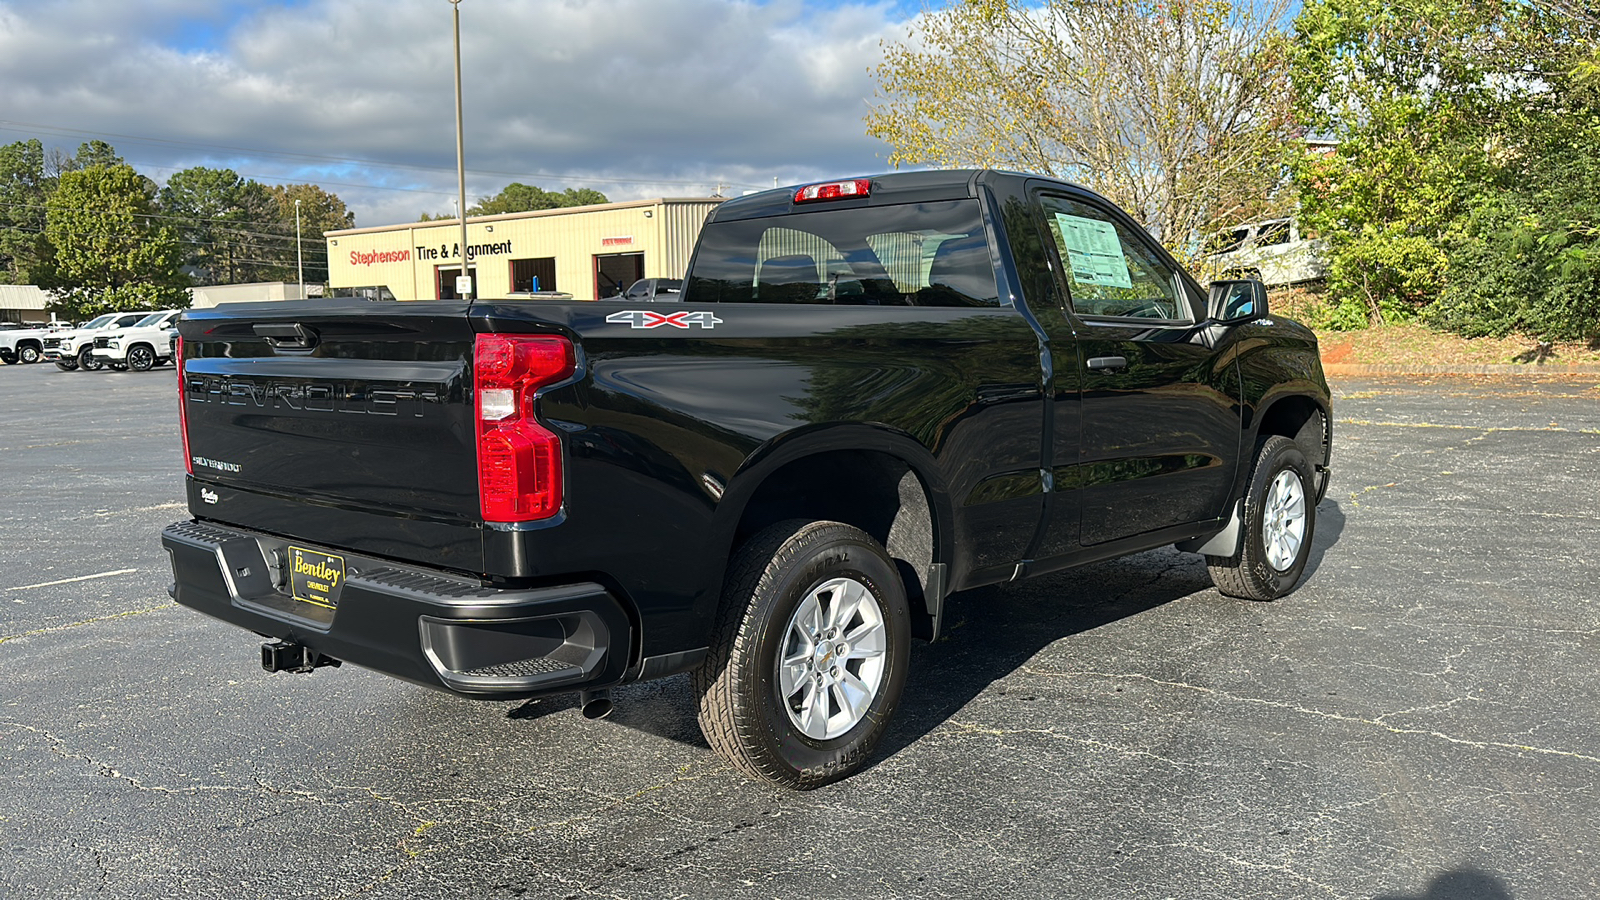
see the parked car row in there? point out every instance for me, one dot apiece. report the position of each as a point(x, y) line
point(120, 340)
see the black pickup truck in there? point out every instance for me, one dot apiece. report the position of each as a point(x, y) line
point(874, 393)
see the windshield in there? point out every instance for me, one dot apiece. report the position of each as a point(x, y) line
point(151, 319)
point(96, 323)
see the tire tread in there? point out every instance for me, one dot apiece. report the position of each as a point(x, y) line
point(732, 729)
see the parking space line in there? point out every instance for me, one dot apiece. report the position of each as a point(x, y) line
point(29, 587)
point(106, 513)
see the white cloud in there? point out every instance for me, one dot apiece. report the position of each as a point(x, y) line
point(654, 93)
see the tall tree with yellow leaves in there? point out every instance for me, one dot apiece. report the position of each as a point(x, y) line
point(1176, 110)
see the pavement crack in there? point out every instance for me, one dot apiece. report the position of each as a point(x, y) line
point(1255, 866)
point(1325, 714)
point(957, 728)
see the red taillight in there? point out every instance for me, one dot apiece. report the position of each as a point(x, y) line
point(519, 460)
point(183, 406)
point(834, 190)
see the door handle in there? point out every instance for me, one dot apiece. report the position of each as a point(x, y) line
point(1107, 362)
point(287, 335)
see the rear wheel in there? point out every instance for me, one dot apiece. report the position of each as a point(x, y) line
point(1279, 520)
point(809, 657)
point(141, 358)
point(7, 358)
point(88, 362)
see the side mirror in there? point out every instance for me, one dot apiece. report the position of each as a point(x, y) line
point(1236, 302)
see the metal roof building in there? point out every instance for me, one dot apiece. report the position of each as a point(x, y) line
point(22, 303)
point(589, 252)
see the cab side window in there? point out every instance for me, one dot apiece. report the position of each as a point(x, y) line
point(1111, 272)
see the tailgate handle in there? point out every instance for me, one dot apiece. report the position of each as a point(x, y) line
point(287, 335)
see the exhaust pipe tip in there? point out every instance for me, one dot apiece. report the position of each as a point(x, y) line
point(595, 704)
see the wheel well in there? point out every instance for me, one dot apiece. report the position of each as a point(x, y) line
point(876, 492)
point(1301, 420)
point(30, 343)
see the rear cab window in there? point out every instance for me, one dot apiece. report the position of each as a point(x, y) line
point(912, 254)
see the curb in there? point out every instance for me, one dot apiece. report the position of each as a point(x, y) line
point(1338, 369)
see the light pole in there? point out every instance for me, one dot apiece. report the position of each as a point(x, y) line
point(461, 163)
point(299, 258)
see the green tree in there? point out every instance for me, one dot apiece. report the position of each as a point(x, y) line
point(1451, 116)
point(1177, 110)
point(93, 153)
point(519, 197)
point(111, 253)
point(320, 213)
point(25, 252)
point(230, 228)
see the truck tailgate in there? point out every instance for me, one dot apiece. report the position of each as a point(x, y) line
point(366, 416)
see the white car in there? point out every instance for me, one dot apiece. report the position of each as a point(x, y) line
point(75, 348)
point(139, 346)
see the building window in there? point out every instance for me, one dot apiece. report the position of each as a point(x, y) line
point(614, 272)
point(534, 274)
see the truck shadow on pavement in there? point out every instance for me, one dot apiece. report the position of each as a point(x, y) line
point(991, 632)
point(988, 634)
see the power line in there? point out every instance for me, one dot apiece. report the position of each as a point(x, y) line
point(36, 128)
point(190, 219)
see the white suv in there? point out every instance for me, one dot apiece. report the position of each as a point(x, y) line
point(72, 349)
point(139, 346)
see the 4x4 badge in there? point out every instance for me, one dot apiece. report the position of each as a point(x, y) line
point(643, 318)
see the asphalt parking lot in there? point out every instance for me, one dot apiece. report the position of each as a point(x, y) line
point(1417, 722)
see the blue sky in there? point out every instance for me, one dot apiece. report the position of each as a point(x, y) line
point(632, 97)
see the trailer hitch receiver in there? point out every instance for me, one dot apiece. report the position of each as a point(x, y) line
point(283, 656)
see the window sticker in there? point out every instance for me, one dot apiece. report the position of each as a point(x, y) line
point(1093, 251)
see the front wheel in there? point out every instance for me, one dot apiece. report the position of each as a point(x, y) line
point(28, 354)
point(1279, 519)
point(809, 656)
point(141, 358)
point(88, 362)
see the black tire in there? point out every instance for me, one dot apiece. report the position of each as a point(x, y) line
point(7, 358)
point(67, 365)
point(29, 354)
point(87, 361)
point(742, 711)
point(141, 358)
point(1257, 571)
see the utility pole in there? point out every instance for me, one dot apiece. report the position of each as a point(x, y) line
point(461, 163)
point(299, 258)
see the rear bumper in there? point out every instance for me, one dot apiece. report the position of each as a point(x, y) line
point(424, 626)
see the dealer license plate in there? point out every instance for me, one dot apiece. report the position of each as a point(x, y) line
point(315, 577)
